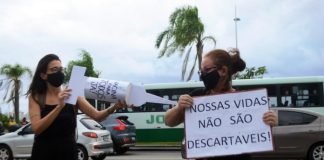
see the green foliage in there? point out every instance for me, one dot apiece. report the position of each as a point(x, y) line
point(251, 73)
point(185, 30)
point(12, 84)
point(5, 120)
point(86, 61)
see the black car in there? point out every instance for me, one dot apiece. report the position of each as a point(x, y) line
point(123, 132)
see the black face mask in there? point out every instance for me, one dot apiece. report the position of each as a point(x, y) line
point(210, 79)
point(56, 79)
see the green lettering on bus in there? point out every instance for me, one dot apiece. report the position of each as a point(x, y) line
point(159, 119)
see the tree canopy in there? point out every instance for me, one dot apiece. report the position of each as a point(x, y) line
point(184, 31)
point(13, 84)
point(85, 61)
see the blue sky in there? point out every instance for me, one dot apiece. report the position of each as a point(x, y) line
point(286, 36)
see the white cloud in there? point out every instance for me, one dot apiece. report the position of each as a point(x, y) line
point(286, 36)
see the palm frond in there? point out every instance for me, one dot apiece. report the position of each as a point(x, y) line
point(11, 97)
point(4, 83)
point(8, 88)
point(167, 38)
point(28, 71)
point(161, 37)
point(5, 69)
point(171, 49)
point(173, 17)
point(210, 38)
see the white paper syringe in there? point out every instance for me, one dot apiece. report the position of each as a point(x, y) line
point(109, 90)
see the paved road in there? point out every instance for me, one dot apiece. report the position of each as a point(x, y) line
point(157, 155)
point(147, 155)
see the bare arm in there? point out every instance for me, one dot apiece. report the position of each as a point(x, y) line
point(89, 110)
point(40, 124)
point(175, 115)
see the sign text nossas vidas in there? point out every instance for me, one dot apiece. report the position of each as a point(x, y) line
point(227, 124)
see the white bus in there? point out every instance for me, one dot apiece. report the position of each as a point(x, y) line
point(282, 92)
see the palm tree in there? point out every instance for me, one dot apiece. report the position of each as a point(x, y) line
point(185, 30)
point(13, 84)
point(86, 61)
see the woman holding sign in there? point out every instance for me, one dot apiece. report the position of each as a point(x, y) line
point(217, 68)
point(53, 121)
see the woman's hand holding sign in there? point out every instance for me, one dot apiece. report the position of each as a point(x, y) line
point(184, 102)
point(270, 118)
point(175, 115)
point(62, 95)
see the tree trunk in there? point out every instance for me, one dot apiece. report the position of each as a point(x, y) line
point(16, 101)
point(200, 48)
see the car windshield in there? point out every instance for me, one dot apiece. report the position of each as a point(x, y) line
point(91, 124)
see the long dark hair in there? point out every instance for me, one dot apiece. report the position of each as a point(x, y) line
point(38, 85)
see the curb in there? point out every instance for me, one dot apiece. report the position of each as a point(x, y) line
point(155, 148)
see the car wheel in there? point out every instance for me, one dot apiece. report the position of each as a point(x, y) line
point(316, 152)
point(82, 153)
point(5, 153)
point(101, 157)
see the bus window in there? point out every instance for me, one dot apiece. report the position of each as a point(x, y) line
point(300, 95)
point(101, 105)
point(271, 90)
point(166, 106)
point(314, 98)
point(273, 102)
point(175, 97)
point(286, 96)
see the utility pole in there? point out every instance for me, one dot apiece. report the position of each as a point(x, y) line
point(235, 21)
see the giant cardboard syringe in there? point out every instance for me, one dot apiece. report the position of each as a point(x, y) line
point(109, 90)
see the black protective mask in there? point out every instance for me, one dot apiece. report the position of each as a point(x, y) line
point(56, 79)
point(210, 79)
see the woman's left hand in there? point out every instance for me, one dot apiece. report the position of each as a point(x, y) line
point(270, 118)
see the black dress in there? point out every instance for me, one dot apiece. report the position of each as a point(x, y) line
point(202, 92)
point(57, 142)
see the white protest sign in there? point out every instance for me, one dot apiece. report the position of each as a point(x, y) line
point(227, 124)
point(77, 79)
point(109, 90)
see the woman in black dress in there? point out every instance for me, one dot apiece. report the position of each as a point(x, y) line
point(53, 121)
point(217, 68)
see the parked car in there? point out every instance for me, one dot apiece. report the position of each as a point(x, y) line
point(299, 134)
point(1, 128)
point(13, 128)
point(123, 132)
point(92, 140)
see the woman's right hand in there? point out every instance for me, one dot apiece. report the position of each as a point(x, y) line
point(62, 95)
point(175, 115)
point(185, 101)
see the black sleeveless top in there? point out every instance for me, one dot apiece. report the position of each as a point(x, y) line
point(58, 141)
point(202, 92)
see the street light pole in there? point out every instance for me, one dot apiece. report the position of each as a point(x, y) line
point(235, 21)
